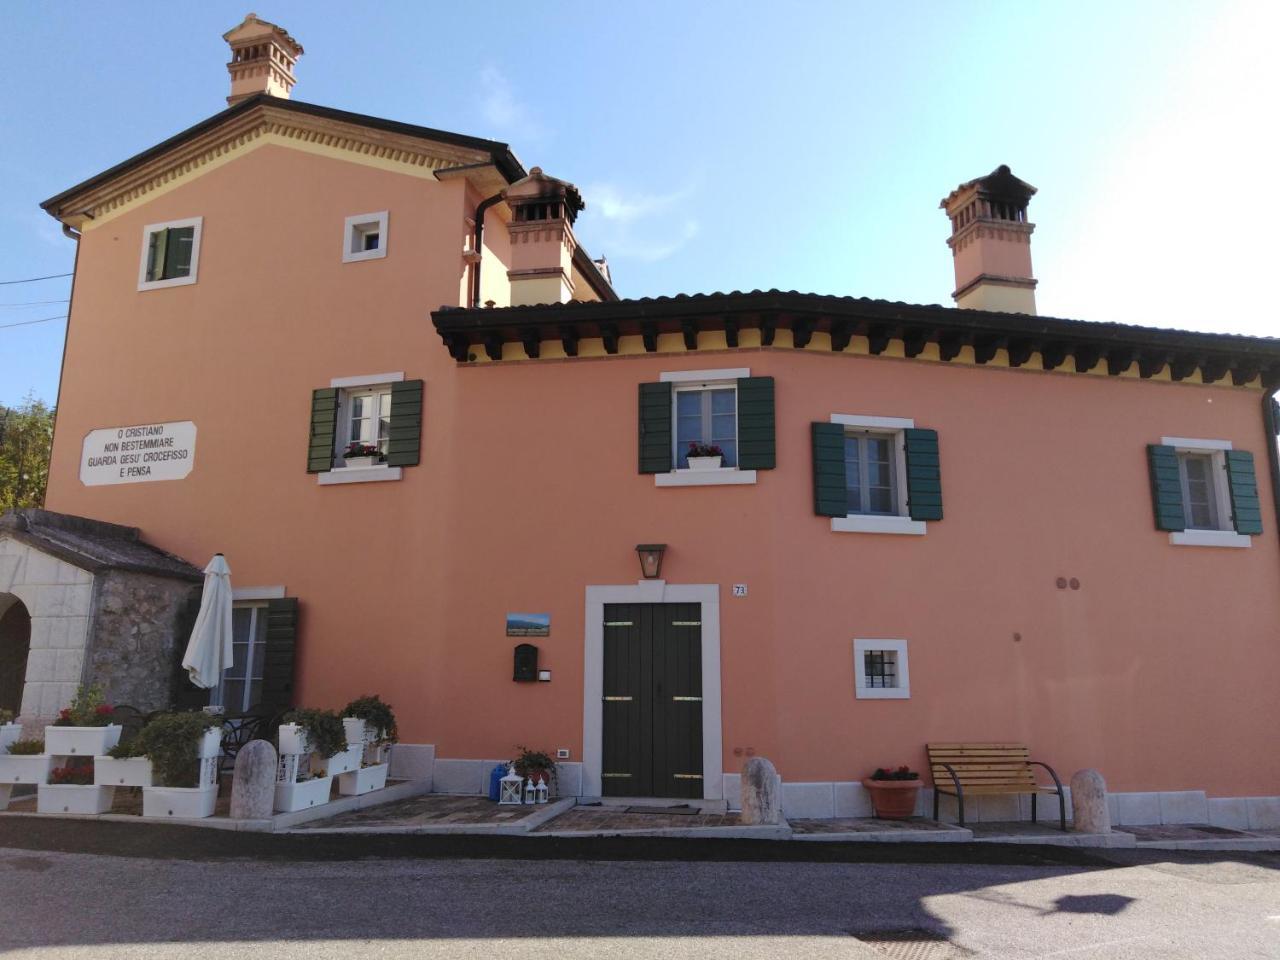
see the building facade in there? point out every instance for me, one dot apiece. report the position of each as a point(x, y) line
point(371, 364)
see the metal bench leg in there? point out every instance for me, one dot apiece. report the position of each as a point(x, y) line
point(1062, 809)
point(936, 794)
point(960, 803)
point(1034, 798)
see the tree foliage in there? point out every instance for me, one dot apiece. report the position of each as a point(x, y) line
point(26, 436)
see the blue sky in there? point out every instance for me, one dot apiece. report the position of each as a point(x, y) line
point(724, 146)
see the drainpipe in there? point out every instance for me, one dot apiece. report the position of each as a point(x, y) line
point(1271, 422)
point(70, 232)
point(477, 238)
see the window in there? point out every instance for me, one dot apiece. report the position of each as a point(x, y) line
point(869, 471)
point(1208, 516)
point(364, 237)
point(875, 469)
point(170, 254)
point(368, 419)
point(703, 407)
point(1199, 503)
point(241, 685)
point(880, 670)
point(707, 416)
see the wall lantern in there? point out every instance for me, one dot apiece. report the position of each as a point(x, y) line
point(650, 559)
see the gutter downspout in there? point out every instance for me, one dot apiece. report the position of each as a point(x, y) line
point(1271, 421)
point(71, 234)
point(477, 237)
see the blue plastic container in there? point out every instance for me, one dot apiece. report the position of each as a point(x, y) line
point(495, 776)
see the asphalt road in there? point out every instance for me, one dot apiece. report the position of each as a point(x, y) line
point(81, 905)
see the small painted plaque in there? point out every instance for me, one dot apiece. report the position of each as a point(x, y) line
point(528, 624)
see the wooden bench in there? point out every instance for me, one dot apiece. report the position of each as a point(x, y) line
point(989, 769)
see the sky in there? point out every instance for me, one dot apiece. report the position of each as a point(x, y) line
point(729, 145)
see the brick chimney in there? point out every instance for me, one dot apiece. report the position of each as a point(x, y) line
point(262, 59)
point(543, 210)
point(991, 243)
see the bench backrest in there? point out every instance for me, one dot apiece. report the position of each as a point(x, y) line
point(982, 764)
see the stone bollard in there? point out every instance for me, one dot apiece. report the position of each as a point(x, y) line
point(1089, 802)
point(253, 786)
point(761, 793)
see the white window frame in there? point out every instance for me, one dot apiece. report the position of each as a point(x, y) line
point(864, 691)
point(258, 608)
point(356, 226)
point(348, 387)
point(147, 231)
point(690, 380)
point(1224, 535)
point(901, 523)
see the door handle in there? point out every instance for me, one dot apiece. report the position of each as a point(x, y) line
point(688, 699)
point(618, 699)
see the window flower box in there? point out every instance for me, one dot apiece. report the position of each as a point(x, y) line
point(80, 741)
point(361, 456)
point(188, 803)
point(131, 772)
point(360, 463)
point(73, 798)
point(364, 780)
point(344, 762)
point(25, 769)
point(292, 796)
point(704, 456)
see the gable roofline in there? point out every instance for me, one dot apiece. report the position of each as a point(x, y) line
point(1116, 346)
point(500, 153)
point(93, 545)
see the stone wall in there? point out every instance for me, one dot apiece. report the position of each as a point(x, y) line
point(135, 637)
point(59, 598)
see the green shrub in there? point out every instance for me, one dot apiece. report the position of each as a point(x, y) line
point(324, 730)
point(171, 741)
point(27, 748)
point(126, 750)
point(377, 714)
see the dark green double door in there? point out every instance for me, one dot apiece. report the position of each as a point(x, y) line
point(652, 700)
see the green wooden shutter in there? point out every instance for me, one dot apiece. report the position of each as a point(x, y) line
point(830, 497)
point(1246, 511)
point(185, 694)
point(655, 428)
point(281, 654)
point(177, 255)
point(404, 449)
point(924, 475)
point(324, 427)
point(756, 446)
point(1166, 487)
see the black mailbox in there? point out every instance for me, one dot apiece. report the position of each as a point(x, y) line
point(526, 662)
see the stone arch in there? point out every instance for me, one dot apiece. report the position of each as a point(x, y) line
point(15, 645)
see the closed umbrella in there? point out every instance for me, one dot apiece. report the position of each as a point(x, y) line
point(209, 651)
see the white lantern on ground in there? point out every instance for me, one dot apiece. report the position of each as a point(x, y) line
point(542, 791)
point(509, 787)
point(530, 792)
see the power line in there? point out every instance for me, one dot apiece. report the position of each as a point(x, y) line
point(32, 303)
point(52, 276)
point(27, 323)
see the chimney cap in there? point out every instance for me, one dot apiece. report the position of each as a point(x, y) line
point(999, 184)
point(253, 28)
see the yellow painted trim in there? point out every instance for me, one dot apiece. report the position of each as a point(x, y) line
point(246, 145)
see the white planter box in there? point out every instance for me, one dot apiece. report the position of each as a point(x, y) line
point(358, 731)
point(210, 744)
point(189, 803)
point(26, 769)
point(9, 732)
point(705, 463)
point(364, 780)
point(133, 772)
point(293, 739)
point(80, 741)
point(360, 463)
point(73, 798)
point(300, 796)
point(343, 762)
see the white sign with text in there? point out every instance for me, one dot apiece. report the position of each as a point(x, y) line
point(149, 451)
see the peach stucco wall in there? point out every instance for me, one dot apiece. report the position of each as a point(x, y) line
point(1159, 670)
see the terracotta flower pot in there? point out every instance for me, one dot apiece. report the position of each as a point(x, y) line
point(893, 799)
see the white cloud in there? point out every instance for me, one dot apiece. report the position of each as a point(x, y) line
point(636, 225)
point(507, 115)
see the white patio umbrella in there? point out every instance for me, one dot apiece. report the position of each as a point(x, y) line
point(209, 651)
